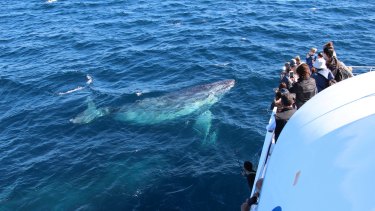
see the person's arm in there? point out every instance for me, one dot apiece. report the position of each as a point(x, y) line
point(245, 206)
point(250, 201)
point(253, 199)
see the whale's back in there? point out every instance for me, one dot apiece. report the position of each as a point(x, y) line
point(188, 101)
point(166, 108)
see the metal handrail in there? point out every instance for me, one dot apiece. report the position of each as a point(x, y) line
point(265, 153)
point(365, 68)
point(372, 67)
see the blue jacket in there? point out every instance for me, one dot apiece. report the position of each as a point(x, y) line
point(310, 60)
point(322, 78)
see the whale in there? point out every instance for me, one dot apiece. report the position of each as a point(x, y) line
point(191, 101)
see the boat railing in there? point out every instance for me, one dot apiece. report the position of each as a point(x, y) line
point(267, 147)
point(356, 70)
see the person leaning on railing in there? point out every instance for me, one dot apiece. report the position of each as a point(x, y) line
point(278, 93)
point(282, 117)
point(249, 173)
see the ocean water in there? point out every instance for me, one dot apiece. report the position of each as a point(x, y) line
point(47, 50)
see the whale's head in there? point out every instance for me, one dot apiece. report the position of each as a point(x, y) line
point(220, 87)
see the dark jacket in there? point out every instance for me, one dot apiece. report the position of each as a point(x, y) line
point(281, 120)
point(250, 179)
point(322, 78)
point(286, 80)
point(304, 89)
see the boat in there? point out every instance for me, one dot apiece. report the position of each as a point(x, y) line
point(324, 158)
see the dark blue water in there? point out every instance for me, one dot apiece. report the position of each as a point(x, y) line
point(155, 47)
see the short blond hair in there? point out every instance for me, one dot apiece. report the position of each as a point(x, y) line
point(313, 50)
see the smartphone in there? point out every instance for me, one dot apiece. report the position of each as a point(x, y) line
point(291, 74)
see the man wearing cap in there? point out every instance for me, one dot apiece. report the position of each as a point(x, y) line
point(323, 76)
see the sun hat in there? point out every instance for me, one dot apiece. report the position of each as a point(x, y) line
point(320, 64)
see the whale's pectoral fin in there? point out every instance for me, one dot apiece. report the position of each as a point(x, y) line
point(90, 114)
point(203, 124)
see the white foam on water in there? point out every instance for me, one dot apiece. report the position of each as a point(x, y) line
point(88, 82)
point(51, 1)
point(137, 193)
point(71, 91)
point(178, 191)
point(225, 64)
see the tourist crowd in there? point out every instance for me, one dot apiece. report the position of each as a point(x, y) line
point(299, 82)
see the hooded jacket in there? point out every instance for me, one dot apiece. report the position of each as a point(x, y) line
point(322, 78)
